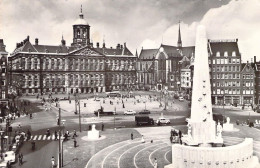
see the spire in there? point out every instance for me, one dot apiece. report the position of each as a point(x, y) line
point(179, 44)
point(63, 42)
point(81, 16)
point(136, 54)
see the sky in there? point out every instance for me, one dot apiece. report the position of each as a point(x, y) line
point(139, 23)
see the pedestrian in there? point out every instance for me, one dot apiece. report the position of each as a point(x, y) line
point(155, 163)
point(75, 143)
point(74, 134)
point(48, 132)
point(28, 135)
point(56, 135)
point(8, 164)
point(52, 162)
point(102, 127)
point(19, 159)
point(142, 139)
point(132, 136)
point(171, 138)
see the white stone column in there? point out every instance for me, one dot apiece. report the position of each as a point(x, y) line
point(66, 66)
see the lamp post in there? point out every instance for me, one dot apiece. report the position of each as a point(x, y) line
point(2, 146)
point(63, 124)
point(76, 112)
point(115, 118)
point(59, 137)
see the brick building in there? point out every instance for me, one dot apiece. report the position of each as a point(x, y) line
point(3, 78)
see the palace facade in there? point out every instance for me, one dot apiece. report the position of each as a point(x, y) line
point(79, 68)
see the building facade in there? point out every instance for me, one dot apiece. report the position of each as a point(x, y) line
point(79, 68)
point(3, 78)
point(248, 83)
point(160, 69)
point(225, 64)
point(257, 81)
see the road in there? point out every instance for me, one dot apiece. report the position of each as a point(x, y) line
point(43, 120)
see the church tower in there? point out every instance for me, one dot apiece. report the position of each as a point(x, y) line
point(179, 43)
point(81, 31)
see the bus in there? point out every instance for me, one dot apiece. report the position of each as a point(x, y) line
point(113, 94)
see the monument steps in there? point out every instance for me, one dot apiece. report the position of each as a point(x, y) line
point(112, 160)
point(142, 157)
point(161, 155)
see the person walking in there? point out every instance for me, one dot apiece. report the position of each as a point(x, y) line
point(180, 135)
point(75, 143)
point(132, 136)
point(56, 135)
point(74, 134)
point(19, 159)
point(142, 139)
point(102, 127)
point(155, 164)
point(52, 162)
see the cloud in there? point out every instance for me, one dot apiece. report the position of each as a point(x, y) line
point(131, 21)
point(237, 19)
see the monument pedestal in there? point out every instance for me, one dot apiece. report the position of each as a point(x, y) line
point(200, 133)
point(93, 134)
point(228, 127)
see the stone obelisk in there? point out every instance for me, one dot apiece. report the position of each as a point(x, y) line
point(201, 127)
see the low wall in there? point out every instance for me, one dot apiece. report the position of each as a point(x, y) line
point(237, 156)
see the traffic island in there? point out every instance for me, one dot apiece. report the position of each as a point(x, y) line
point(80, 155)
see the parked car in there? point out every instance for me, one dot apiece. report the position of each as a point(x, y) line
point(176, 96)
point(181, 99)
point(129, 112)
point(145, 112)
point(163, 120)
point(9, 156)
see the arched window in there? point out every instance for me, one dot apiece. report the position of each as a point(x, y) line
point(233, 53)
point(217, 54)
point(162, 62)
point(78, 33)
point(225, 54)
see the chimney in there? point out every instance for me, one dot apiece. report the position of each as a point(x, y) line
point(121, 46)
point(118, 46)
point(104, 45)
point(36, 41)
point(254, 59)
point(17, 45)
point(97, 44)
point(236, 39)
point(124, 45)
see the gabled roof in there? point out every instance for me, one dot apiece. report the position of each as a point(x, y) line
point(86, 50)
point(54, 49)
point(171, 51)
point(223, 46)
point(243, 66)
point(115, 51)
point(148, 53)
point(188, 51)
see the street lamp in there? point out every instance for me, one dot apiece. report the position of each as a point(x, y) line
point(115, 118)
point(2, 134)
point(63, 124)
